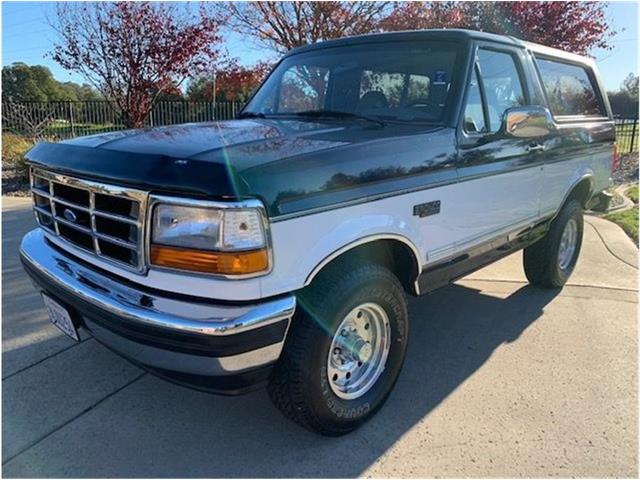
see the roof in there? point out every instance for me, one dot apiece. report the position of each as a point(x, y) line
point(411, 35)
point(442, 34)
point(557, 53)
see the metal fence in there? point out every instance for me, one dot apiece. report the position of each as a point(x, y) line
point(627, 135)
point(62, 120)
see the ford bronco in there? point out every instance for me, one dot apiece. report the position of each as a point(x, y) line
point(278, 248)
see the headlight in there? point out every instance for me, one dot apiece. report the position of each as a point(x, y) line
point(189, 227)
point(230, 241)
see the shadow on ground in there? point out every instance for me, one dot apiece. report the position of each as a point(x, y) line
point(155, 429)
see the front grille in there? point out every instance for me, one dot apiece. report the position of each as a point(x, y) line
point(105, 220)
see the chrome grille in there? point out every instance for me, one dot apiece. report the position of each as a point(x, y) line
point(105, 220)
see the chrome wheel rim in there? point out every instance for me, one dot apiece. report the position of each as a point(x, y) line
point(359, 351)
point(568, 243)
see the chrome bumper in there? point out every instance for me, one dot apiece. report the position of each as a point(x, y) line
point(168, 332)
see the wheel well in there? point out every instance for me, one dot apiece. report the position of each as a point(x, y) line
point(581, 192)
point(393, 254)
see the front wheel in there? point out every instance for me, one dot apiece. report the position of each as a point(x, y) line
point(344, 351)
point(550, 261)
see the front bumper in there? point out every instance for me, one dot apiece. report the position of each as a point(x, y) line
point(215, 346)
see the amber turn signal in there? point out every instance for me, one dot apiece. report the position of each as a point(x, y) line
point(227, 263)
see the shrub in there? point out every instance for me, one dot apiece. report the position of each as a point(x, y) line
point(14, 147)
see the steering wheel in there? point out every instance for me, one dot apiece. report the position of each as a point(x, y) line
point(423, 102)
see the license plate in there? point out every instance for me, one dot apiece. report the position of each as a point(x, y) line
point(60, 317)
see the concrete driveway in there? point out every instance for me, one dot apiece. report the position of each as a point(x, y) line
point(501, 380)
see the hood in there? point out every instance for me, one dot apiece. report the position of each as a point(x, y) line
point(279, 161)
point(193, 140)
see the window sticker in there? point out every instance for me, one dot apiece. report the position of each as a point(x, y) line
point(440, 77)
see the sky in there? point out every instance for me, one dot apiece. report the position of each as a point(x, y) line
point(27, 37)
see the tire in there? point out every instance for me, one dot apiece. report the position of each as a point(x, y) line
point(544, 265)
point(300, 385)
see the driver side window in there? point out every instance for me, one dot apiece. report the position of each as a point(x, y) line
point(502, 86)
point(474, 111)
point(497, 88)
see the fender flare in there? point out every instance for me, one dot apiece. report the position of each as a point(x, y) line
point(586, 176)
point(362, 241)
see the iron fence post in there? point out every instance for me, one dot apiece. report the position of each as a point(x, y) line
point(73, 129)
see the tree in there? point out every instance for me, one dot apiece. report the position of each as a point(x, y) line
point(81, 93)
point(282, 26)
point(624, 101)
point(172, 93)
point(574, 26)
point(425, 15)
point(132, 52)
point(24, 83)
point(26, 120)
point(235, 83)
point(630, 85)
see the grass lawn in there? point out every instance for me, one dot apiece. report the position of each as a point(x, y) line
point(628, 220)
point(632, 194)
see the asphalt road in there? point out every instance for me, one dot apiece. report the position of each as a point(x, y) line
point(501, 380)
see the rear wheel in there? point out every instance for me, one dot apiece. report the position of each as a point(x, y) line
point(550, 261)
point(344, 350)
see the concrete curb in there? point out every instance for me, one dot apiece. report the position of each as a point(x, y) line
point(620, 190)
point(626, 203)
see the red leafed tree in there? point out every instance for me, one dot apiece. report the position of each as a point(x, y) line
point(285, 25)
point(573, 26)
point(135, 51)
point(234, 83)
point(425, 15)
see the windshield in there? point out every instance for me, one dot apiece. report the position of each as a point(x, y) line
point(393, 81)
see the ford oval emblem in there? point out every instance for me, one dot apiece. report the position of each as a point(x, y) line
point(69, 215)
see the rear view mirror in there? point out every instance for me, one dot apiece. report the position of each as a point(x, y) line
point(527, 122)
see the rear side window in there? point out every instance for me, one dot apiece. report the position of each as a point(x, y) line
point(570, 89)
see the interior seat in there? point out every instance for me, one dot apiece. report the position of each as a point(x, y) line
point(373, 100)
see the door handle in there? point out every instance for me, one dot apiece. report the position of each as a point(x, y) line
point(534, 148)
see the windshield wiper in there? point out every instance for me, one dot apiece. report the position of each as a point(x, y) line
point(337, 114)
point(251, 115)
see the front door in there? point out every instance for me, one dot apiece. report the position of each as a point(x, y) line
point(500, 178)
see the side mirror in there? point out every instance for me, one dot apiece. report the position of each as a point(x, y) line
point(527, 122)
